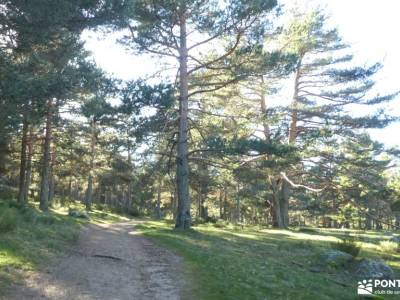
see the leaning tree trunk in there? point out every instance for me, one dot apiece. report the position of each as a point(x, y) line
point(22, 169)
point(28, 176)
point(44, 186)
point(183, 219)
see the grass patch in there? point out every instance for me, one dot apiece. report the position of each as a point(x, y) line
point(252, 263)
point(389, 247)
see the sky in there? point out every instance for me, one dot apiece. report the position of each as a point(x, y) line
point(370, 26)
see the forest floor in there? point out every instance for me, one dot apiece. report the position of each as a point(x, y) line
point(254, 262)
point(54, 256)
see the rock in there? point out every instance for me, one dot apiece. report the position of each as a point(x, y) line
point(395, 239)
point(78, 214)
point(374, 269)
point(336, 258)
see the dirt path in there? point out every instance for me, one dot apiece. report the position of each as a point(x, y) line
point(110, 262)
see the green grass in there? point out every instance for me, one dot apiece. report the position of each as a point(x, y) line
point(30, 238)
point(254, 263)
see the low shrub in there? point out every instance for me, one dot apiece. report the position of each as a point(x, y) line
point(100, 206)
point(307, 230)
point(348, 245)
point(134, 212)
point(8, 219)
point(220, 223)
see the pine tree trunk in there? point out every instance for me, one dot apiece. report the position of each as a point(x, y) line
point(3, 154)
point(285, 187)
point(276, 204)
point(28, 176)
point(22, 169)
point(174, 199)
point(89, 190)
point(44, 186)
point(183, 219)
point(52, 182)
point(285, 204)
point(368, 219)
point(397, 220)
point(129, 192)
point(158, 213)
point(224, 216)
point(220, 203)
point(70, 187)
point(263, 104)
point(238, 216)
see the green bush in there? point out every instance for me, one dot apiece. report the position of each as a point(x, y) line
point(348, 245)
point(9, 219)
point(307, 230)
point(100, 206)
point(134, 212)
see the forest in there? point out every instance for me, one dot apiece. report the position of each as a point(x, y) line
point(210, 140)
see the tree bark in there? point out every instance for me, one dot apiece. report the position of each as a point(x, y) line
point(129, 193)
point(23, 162)
point(238, 216)
point(220, 203)
point(276, 203)
point(3, 152)
point(183, 219)
point(44, 186)
point(397, 220)
point(263, 104)
point(51, 181)
point(294, 115)
point(284, 207)
point(89, 190)
point(368, 219)
point(225, 214)
point(28, 176)
point(158, 212)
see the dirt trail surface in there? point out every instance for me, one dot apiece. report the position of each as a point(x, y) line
point(110, 262)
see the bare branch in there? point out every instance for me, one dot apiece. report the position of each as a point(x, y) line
point(300, 185)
